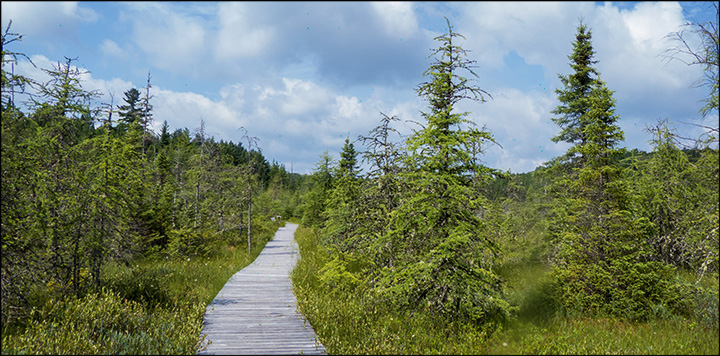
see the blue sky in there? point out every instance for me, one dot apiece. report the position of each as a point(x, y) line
point(302, 76)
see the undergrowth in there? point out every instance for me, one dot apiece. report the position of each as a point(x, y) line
point(155, 305)
point(348, 321)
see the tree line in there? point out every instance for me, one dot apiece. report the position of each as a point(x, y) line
point(86, 185)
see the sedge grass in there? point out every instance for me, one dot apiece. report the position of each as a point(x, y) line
point(153, 306)
point(348, 322)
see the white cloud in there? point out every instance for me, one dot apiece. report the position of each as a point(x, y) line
point(45, 18)
point(630, 46)
point(172, 40)
point(398, 18)
point(186, 109)
point(537, 31)
point(302, 76)
point(110, 48)
point(238, 35)
point(521, 124)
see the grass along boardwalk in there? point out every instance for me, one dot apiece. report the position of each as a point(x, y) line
point(255, 312)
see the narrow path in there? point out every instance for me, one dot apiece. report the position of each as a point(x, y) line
point(255, 312)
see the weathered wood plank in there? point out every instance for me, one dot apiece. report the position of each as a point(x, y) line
point(256, 311)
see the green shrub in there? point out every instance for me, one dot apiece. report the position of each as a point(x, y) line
point(186, 242)
point(706, 307)
point(143, 284)
point(622, 288)
point(105, 323)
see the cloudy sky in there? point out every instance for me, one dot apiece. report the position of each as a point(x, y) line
point(303, 76)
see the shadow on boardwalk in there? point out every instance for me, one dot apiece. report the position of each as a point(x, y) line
point(255, 312)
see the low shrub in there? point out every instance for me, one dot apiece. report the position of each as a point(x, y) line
point(144, 284)
point(106, 323)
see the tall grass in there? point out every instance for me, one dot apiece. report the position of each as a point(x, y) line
point(154, 306)
point(348, 321)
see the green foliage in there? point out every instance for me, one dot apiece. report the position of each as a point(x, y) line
point(682, 234)
point(83, 194)
point(186, 242)
point(144, 284)
point(340, 213)
point(601, 266)
point(620, 287)
point(435, 252)
point(322, 182)
point(350, 319)
point(105, 323)
point(155, 307)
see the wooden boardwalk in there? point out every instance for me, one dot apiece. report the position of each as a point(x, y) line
point(255, 312)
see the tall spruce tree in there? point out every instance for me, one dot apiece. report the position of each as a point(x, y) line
point(601, 263)
point(439, 254)
point(573, 96)
point(339, 211)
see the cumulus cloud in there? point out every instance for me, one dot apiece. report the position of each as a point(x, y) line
point(538, 31)
point(172, 40)
point(110, 48)
point(398, 18)
point(45, 18)
point(303, 76)
point(521, 125)
point(630, 45)
point(187, 109)
point(239, 36)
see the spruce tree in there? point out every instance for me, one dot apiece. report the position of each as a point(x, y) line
point(322, 181)
point(340, 207)
point(130, 113)
point(601, 264)
point(439, 253)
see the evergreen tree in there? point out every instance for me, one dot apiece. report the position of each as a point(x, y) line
point(439, 255)
point(379, 191)
point(322, 181)
point(574, 94)
point(131, 112)
point(602, 252)
point(683, 235)
point(339, 213)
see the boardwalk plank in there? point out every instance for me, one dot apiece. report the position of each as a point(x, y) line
point(256, 311)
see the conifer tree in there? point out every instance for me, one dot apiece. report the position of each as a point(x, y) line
point(439, 254)
point(380, 189)
point(340, 207)
point(322, 181)
point(131, 112)
point(602, 252)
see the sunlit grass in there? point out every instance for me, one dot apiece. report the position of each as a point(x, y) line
point(348, 322)
point(153, 306)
